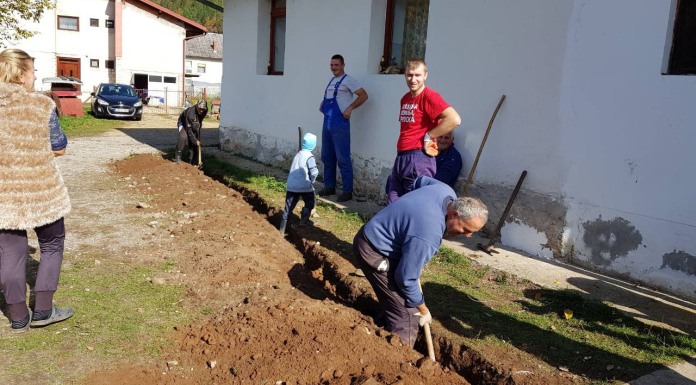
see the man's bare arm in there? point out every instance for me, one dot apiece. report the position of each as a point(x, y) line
point(362, 97)
point(449, 119)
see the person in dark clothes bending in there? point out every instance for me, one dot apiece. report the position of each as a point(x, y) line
point(392, 248)
point(189, 124)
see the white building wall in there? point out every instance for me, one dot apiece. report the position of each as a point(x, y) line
point(155, 50)
point(41, 46)
point(150, 45)
point(604, 136)
point(90, 42)
point(213, 70)
point(85, 44)
point(628, 136)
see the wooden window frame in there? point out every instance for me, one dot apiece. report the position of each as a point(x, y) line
point(77, 20)
point(94, 22)
point(277, 13)
point(682, 56)
point(389, 38)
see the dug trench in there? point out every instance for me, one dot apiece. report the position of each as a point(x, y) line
point(281, 310)
point(341, 287)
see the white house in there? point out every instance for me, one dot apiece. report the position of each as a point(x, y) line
point(127, 41)
point(596, 111)
point(204, 64)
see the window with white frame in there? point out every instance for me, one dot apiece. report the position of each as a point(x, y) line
point(68, 23)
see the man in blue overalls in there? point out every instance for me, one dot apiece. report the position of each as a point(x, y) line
point(337, 106)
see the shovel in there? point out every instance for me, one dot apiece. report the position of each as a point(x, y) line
point(429, 341)
point(428, 335)
point(200, 162)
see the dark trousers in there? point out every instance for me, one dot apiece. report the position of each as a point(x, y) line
point(291, 199)
point(399, 318)
point(14, 248)
point(193, 148)
point(408, 166)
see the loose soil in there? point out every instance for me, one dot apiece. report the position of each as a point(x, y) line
point(278, 310)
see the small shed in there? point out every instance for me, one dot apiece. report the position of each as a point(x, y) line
point(68, 90)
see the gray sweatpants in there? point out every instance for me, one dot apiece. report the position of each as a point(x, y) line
point(14, 248)
point(399, 318)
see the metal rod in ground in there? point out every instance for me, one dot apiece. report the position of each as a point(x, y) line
point(496, 234)
point(483, 143)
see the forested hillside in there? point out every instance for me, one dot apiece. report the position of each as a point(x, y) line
point(197, 12)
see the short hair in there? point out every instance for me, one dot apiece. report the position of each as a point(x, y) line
point(468, 207)
point(339, 58)
point(14, 63)
point(413, 63)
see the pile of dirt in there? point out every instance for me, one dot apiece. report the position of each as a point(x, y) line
point(271, 320)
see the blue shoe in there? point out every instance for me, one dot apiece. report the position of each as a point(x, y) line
point(16, 329)
point(58, 314)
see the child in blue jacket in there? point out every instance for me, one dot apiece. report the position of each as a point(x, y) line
point(303, 173)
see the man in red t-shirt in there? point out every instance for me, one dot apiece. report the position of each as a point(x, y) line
point(424, 116)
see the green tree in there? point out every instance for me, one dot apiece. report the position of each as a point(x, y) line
point(197, 12)
point(13, 11)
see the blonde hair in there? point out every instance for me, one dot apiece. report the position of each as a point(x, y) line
point(14, 63)
point(414, 63)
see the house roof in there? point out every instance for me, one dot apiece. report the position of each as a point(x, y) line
point(192, 28)
point(208, 46)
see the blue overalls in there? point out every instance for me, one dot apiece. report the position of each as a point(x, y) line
point(335, 142)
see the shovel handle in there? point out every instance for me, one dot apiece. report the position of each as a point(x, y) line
point(429, 341)
point(200, 162)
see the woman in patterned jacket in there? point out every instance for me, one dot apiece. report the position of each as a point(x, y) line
point(32, 193)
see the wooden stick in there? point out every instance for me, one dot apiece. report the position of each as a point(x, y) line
point(200, 163)
point(428, 335)
point(429, 341)
point(299, 138)
point(483, 142)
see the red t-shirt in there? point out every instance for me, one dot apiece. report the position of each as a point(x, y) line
point(418, 115)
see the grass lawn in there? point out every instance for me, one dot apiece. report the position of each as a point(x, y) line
point(86, 125)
